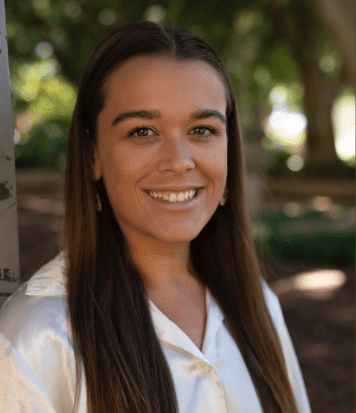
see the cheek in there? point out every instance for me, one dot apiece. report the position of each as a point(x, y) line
point(217, 163)
point(116, 163)
point(122, 171)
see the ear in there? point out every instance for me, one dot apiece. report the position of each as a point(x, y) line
point(97, 170)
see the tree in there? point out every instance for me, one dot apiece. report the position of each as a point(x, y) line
point(297, 25)
point(263, 43)
point(340, 19)
point(9, 247)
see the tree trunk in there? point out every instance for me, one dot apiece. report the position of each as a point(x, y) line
point(340, 19)
point(294, 25)
point(9, 245)
point(318, 101)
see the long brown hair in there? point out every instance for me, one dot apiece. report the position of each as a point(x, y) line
point(113, 335)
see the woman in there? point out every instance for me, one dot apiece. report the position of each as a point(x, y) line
point(157, 303)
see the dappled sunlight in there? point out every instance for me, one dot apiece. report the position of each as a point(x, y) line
point(295, 163)
point(107, 17)
point(23, 123)
point(48, 69)
point(72, 9)
point(316, 284)
point(286, 124)
point(294, 209)
point(343, 115)
point(321, 203)
point(43, 50)
point(155, 13)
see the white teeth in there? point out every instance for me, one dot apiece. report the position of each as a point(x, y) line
point(174, 197)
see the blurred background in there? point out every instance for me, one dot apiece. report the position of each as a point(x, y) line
point(292, 63)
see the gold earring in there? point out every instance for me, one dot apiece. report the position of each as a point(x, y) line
point(99, 207)
point(224, 198)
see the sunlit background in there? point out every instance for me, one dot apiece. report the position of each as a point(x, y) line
point(270, 95)
point(286, 126)
point(303, 225)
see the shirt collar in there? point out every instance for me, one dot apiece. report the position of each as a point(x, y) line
point(49, 280)
point(168, 332)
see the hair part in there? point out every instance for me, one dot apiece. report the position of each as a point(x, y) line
point(113, 335)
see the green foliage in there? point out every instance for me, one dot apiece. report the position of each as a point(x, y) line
point(310, 237)
point(45, 105)
point(45, 147)
point(50, 41)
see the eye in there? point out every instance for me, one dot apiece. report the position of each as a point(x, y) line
point(141, 133)
point(204, 131)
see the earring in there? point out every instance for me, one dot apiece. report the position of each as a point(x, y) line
point(224, 198)
point(99, 207)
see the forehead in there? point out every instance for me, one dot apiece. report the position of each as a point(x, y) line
point(159, 80)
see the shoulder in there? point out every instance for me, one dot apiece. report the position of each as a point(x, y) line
point(34, 328)
point(38, 308)
point(20, 390)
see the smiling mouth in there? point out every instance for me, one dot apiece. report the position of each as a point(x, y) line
point(172, 197)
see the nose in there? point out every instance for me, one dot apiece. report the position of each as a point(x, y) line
point(175, 156)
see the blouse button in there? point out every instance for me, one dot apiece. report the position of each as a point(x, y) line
point(203, 367)
point(219, 363)
point(200, 366)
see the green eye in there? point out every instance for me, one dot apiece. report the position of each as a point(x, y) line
point(142, 132)
point(200, 131)
point(204, 131)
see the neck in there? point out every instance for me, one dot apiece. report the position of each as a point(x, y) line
point(164, 266)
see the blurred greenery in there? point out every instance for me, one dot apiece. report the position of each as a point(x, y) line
point(312, 236)
point(50, 41)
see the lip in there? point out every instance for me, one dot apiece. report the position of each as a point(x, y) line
point(178, 205)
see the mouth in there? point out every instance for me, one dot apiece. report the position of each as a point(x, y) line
point(175, 197)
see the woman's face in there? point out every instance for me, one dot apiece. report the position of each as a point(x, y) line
point(161, 139)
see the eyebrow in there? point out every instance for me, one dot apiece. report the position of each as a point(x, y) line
point(154, 114)
point(144, 114)
point(209, 113)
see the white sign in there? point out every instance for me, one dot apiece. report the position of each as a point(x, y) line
point(9, 245)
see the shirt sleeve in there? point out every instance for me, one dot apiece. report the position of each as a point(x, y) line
point(20, 391)
point(293, 368)
point(36, 356)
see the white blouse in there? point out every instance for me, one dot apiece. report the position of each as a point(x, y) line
point(37, 361)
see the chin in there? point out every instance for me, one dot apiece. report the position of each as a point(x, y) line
point(178, 237)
